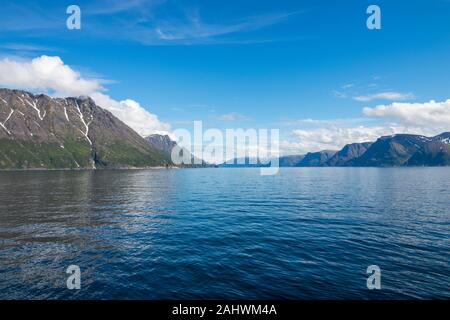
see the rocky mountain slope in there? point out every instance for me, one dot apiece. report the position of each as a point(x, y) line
point(407, 150)
point(348, 154)
point(162, 143)
point(38, 131)
point(435, 152)
point(316, 159)
point(290, 161)
point(165, 145)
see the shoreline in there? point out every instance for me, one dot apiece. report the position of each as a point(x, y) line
point(88, 169)
point(177, 168)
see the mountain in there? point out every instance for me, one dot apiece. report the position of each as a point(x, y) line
point(41, 132)
point(38, 131)
point(443, 137)
point(165, 145)
point(435, 152)
point(312, 159)
point(406, 150)
point(291, 161)
point(316, 159)
point(388, 151)
point(347, 154)
point(162, 143)
point(392, 150)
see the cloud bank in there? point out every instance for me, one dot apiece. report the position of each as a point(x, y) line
point(51, 75)
point(426, 114)
point(428, 118)
point(390, 95)
point(318, 139)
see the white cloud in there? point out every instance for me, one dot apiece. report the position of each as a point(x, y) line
point(151, 22)
point(348, 86)
point(313, 140)
point(192, 27)
point(45, 73)
point(429, 119)
point(326, 122)
point(51, 75)
point(233, 116)
point(101, 7)
point(428, 114)
point(133, 114)
point(389, 95)
point(318, 139)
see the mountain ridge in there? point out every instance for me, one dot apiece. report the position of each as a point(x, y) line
point(41, 132)
point(165, 144)
point(387, 151)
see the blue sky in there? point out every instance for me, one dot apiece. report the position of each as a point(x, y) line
point(252, 63)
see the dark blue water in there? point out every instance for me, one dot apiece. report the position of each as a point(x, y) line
point(226, 233)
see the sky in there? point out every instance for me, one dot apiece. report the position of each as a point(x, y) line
point(311, 69)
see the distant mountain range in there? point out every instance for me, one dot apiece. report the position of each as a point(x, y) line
point(40, 132)
point(407, 150)
point(389, 151)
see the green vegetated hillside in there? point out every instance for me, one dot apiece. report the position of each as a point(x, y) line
point(40, 132)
